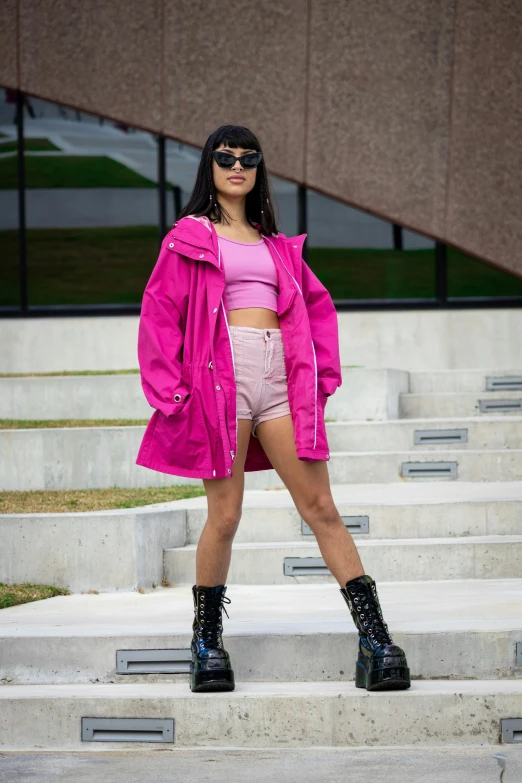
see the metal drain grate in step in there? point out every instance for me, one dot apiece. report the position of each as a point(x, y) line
point(422, 437)
point(506, 383)
point(355, 524)
point(429, 469)
point(128, 729)
point(305, 566)
point(153, 661)
point(499, 406)
point(511, 729)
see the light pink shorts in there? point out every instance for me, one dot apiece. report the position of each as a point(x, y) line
point(260, 373)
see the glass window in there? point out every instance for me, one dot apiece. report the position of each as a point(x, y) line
point(92, 208)
point(359, 256)
point(286, 205)
point(467, 276)
point(182, 161)
point(9, 240)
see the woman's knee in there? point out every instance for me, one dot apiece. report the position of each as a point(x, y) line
point(319, 509)
point(224, 522)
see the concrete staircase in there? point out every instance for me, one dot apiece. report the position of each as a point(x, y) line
point(445, 551)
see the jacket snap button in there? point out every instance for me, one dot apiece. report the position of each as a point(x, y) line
point(214, 310)
point(218, 387)
point(177, 398)
point(229, 470)
point(202, 255)
point(294, 245)
point(171, 244)
point(210, 365)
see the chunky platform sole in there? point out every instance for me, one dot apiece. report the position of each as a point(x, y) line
point(211, 680)
point(392, 678)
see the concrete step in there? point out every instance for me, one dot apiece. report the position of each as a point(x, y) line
point(96, 457)
point(456, 404)
point(393, 560)
point(461, 380)
point(365, 393)
point(348, 467)
point(455, 629)
point(411, 509)
point(122, 549)
point(265, 715)
point(429, 764)
point(74, 397)
point(411, 339)
point(491, 432)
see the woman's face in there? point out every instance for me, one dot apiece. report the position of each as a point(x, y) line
point(235, 181)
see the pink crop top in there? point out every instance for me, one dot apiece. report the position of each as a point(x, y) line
point(250, 274)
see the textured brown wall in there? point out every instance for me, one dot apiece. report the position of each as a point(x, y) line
point(484, 194)
point(409, 109)
point(8, 43)
point(102, 57)
point(240, 64)
point(378, 110)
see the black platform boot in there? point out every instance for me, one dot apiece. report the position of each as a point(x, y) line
point(381, 664)
point(210, 669)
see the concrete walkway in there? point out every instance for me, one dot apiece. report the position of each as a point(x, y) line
point(314, 765)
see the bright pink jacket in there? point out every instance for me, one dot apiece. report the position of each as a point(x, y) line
point(187, 363)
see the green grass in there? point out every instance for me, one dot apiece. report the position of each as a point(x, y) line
point(82, 265)
point(71, 171)
point(66, 501)
point(12, 595)
point(391, 274)
point(29, 424)
point(32, 145)
point(66, 372)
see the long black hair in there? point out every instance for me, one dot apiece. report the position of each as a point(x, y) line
point(259, 198)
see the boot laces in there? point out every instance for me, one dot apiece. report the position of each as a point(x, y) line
point(209, 618)
point(370, 615)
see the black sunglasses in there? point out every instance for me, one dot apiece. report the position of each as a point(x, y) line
point(226, 160)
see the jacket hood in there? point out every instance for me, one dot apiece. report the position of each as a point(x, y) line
point(200, 231)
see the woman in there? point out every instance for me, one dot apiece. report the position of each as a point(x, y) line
point(238, 351)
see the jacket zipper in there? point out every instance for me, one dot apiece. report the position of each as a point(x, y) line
point(313, 347)
point(231, 351)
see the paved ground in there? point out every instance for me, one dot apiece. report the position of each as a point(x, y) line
point(439, 606)
point(448, 765)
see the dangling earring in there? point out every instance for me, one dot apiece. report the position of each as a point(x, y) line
point(210, 178)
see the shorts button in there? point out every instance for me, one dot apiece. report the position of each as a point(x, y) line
point(177, 398)
point(210, 365)
point(229, 470)
point(171, 244)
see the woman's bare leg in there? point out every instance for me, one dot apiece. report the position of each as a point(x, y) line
point(309, 486)
point(225, 500)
